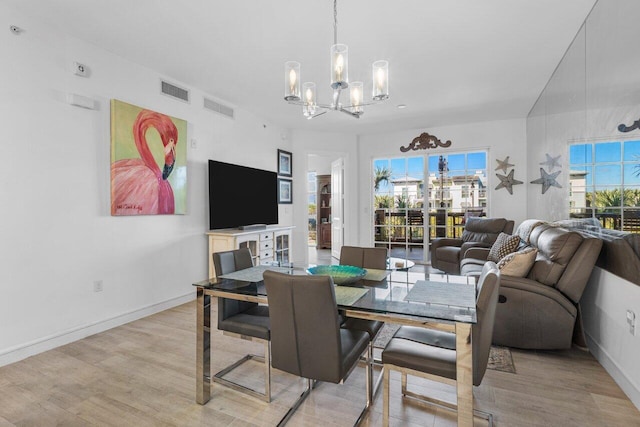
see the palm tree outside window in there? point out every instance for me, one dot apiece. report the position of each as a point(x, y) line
point(604, 183)
point(408, 192)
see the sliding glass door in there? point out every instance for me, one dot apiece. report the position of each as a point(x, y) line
point(399, 206)
point(457, 189)
point(419, 198)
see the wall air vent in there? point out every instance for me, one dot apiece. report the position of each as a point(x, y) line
point(175, 91)
point(212, 105)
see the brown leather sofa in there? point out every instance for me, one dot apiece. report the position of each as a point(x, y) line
point(539, 311)
point(620, 253)
point(446, 253)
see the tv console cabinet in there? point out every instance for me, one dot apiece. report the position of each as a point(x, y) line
point(267, 245)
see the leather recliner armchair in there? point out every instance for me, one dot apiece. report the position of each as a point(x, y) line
point(446, 253)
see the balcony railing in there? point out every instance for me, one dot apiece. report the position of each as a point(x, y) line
point(628, 221)
point(408, 225)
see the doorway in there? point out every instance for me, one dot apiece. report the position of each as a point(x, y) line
point(325, 222)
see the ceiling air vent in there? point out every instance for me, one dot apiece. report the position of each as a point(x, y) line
point(175, 91)
point(212, 105)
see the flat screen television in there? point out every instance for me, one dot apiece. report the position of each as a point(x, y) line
point(241, 196)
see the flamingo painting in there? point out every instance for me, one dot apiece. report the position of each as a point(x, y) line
point(139, 186)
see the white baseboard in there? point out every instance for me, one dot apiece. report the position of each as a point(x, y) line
point(22, 351)
point(630, 389)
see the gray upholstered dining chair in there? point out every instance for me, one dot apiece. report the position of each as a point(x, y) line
point(430, 353)
point(364, 257)
point(306, 337)
point(242, 319)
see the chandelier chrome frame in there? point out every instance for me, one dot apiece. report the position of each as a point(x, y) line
point(339, 81)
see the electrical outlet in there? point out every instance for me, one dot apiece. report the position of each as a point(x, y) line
point(97, 286)
point(631, 320)
point(194, 143)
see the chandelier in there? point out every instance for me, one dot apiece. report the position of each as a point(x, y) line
point(339, 81)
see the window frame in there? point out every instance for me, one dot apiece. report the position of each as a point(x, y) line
point(615, 203)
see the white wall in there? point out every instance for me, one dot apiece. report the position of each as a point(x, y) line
point(321, 164)
point(500, 138)
point(57, 233)
point(604, 307)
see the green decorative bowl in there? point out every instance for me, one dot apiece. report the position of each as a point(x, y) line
point(342, 274)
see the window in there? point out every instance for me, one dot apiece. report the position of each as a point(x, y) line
point(465, 191)
point(604, 183)
point(422, 197)
point(398, 186)
point(460, 182)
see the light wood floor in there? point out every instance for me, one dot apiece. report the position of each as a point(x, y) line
point(143, 374)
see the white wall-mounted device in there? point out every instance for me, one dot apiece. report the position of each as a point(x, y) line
point(80, 69)
point(81, 101)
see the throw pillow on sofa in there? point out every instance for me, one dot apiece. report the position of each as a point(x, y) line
point(503, 246)
point(518, 264)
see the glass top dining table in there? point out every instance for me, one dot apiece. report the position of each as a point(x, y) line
point(441, 297)
point(428, 300)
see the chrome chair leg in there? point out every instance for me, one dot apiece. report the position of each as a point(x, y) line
point(368, 385)
point(267, 371)
point(420, 397)
point(296, 404)
point(386, 372)
point(447, 405)
point(369, 379)
point(312, 384)
point(266, 360)
point(374, 362)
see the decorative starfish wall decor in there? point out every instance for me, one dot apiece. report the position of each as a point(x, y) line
point(552, 162)
point(507, 181)
point(547, 180)
point(503, 165)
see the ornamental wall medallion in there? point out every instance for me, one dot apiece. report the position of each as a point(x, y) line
point(624, 128)
point(424, 142)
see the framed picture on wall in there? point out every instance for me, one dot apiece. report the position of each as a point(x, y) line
point(284, 163)
point(285, 191)
point(156, 185)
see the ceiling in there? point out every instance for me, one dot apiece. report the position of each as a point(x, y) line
point(453, 61)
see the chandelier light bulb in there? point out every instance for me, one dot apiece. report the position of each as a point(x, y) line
point(292, 81)
point(309, 104)
point(355, 93)
point(339, 66)
point(356, 97)
point(380, 80)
